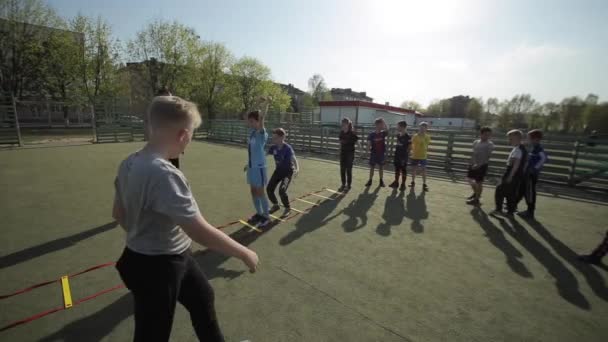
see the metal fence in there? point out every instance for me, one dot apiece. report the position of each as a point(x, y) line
point(575, 161)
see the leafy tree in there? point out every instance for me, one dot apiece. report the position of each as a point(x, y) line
point(166, 51)
point(318, 88)
point(28, 22)
point(99, 61)
point(249, 76)
point(572, 109)
point(474, 110)
point(212, 88)
point(410, 104)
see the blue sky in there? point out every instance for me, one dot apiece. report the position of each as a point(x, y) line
point(398, 49)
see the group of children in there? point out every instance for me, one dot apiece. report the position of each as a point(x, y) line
point(154, 204)
point(519, 179)
point(405, 145)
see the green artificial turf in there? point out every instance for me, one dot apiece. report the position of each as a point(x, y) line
point(374, 265)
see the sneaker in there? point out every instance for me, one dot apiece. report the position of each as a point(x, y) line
point(254, 219)
point(496, 212)
point(526, 214)
point(369, 183)
point(425, 188)
point(340, 189)
point(286, 212)
point(412, 184)
point(275, 207)
point(471, 197)
point(473, 201)
point(394, 184)
point(347, 188)
point(590, 259)
point(382, 183)
point(263, 222)
point(510, 214)
point(402, 187)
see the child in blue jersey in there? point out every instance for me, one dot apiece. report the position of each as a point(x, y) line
point(536, 159)
point(287, 167)
point(377, 148)
point(256, 168)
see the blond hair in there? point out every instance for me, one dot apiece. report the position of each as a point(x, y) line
point(173, 111)
point(516, 133)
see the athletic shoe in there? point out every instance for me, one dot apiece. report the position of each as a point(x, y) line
point(526, 214)
point(254, 219)
point(275, 207)
point(473, 201)
point(412, 184)
point(347, 188)
point(394, 184)
point(471, 197)
point(402, 187)
point(425, 188)
point(590, 259)
point(382, 183)
point(286, 212)
point(496, 212)
point(263, 222)
point(510, 214)
point(340, 189)
point(369, 183)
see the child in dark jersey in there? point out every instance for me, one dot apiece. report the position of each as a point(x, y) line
point(402, 151)
point(348, 139)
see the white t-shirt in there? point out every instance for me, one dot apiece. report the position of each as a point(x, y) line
point(515, 154)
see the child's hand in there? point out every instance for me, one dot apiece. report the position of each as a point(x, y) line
point(251, 260)
point(295, 173)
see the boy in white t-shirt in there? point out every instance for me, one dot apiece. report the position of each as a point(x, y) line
point(513, 176)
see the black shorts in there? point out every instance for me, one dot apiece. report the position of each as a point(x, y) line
point(478, 174)
point(400, 164)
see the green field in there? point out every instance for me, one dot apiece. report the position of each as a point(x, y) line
point(375, 265)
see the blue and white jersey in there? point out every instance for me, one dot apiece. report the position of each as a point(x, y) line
point(256, 145)
point(536, 159)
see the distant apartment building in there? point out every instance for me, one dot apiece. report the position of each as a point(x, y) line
point(297, 96)
point(347, 94)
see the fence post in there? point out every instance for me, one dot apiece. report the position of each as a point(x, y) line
point(309, 136)
point(321, 148)
point(573, 161)
point(449, 152)
point(231, 131)
point(17, 121)
point(94, 123)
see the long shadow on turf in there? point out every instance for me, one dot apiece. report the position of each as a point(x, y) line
point(416, 210)
point(594, 279)
point(565, 281)
point(394, 212)
point(316, 218)
point(210, 261)
point(357, 209)
point(497, 238)
point(97, 325)
point(52, 246)
point(101, 323)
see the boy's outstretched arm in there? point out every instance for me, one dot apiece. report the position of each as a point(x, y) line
point(199, 230)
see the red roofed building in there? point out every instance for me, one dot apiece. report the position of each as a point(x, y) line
point(361, 112)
